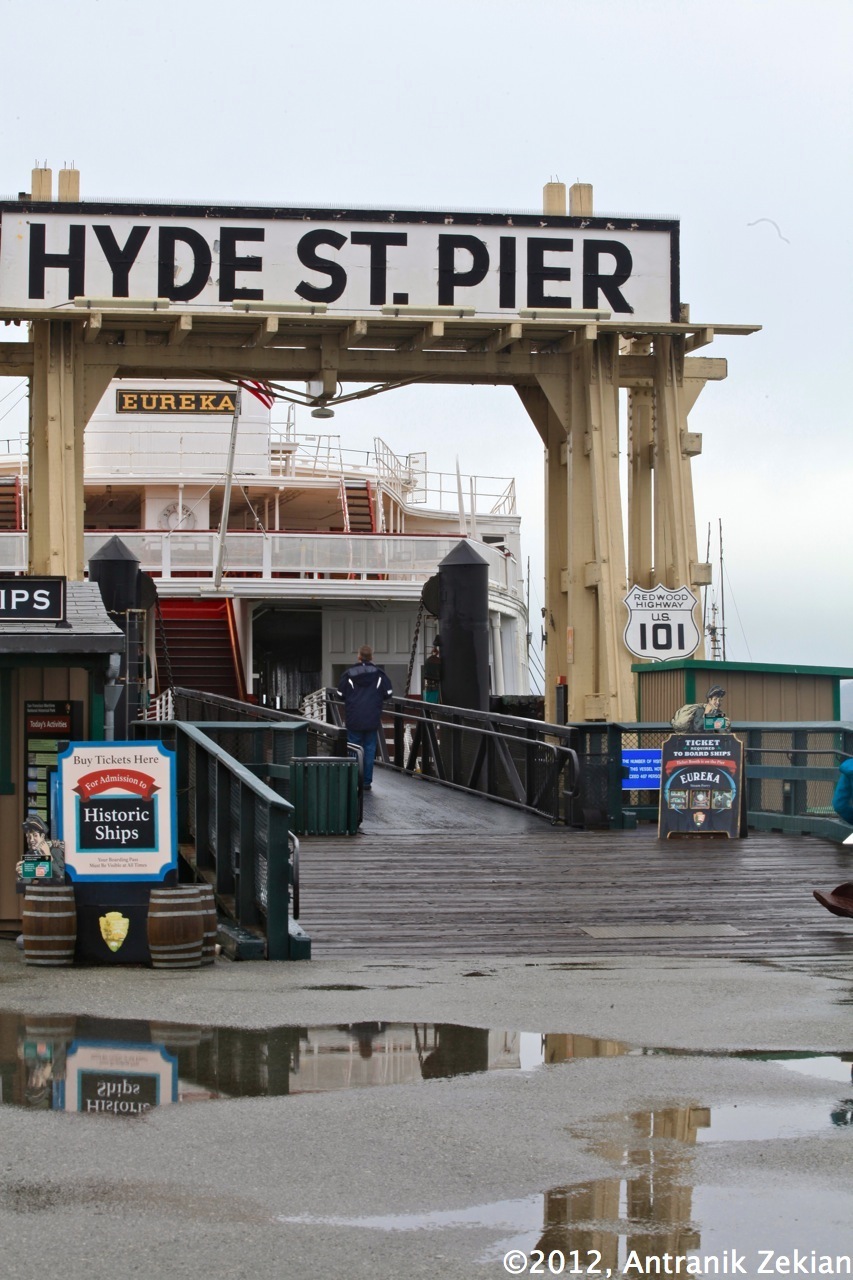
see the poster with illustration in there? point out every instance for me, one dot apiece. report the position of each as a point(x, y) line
point(701, 780)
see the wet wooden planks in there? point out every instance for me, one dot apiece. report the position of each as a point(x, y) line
point(535, 893)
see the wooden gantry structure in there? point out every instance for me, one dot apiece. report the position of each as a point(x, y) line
point(568, 368)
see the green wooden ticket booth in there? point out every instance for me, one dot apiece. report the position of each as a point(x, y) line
point(52, 677)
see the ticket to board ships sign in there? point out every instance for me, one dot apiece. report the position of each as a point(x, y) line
point(117, 806)
point(347, 260)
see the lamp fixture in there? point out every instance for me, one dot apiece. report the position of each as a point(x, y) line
point(411, 309)
point(297, 308)
point(108, 304)
point(557, 313)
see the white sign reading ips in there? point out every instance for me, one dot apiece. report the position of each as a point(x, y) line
point(661, 623)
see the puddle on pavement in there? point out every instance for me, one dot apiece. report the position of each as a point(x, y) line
point(652, 1207)
point(126, 1067)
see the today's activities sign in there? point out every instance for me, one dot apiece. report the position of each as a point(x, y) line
point(117, 805)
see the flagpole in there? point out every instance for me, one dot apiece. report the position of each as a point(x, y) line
point(226, 497)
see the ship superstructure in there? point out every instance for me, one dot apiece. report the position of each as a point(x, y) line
point(322, 548)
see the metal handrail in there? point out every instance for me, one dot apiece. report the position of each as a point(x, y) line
point(240, 828)
point(794, 794)
point(294, 872)
point(196, 705)
point(489, 770)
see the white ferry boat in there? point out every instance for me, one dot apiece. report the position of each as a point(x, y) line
point(269, 584)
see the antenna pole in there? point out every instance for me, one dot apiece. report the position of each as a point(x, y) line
point(722, 596)
point(705, 600)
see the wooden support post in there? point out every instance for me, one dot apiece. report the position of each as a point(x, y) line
point(676, 561)
point(599, 362)
point(65, 392)
point(640, 469)
point(585, 399)
point(677, 494)
point(558, 656)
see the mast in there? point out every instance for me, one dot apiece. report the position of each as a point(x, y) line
point(722, 596)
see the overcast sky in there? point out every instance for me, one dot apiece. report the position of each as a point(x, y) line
point(733, 117)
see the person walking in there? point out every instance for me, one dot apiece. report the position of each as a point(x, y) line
point(364, 688)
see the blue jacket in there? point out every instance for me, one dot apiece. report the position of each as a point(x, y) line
point(842, 800)
point(364, 688)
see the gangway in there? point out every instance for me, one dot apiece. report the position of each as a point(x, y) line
point(566, 857)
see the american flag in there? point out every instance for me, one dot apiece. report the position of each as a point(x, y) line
point(260, 390)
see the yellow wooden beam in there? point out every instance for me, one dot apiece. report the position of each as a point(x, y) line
point(180, 330)
point(92, 327)
point(16, 359)
point(265, 332)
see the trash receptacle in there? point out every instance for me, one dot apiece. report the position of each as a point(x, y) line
point(324, 795)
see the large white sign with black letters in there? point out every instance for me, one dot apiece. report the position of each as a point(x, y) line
point(352, 261)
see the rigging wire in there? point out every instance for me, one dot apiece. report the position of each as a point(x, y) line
point(12, 406)
point(737, 613)
point(12, 391)
point(294, 396)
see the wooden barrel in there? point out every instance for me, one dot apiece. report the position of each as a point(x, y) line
point(50, 1026)
point(177, 1035)
point(175, 928)
point(211, 923)
point(50, 925)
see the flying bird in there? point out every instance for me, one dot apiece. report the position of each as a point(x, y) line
point(773, 224)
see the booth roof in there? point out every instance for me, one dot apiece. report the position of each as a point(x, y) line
point(88, 628)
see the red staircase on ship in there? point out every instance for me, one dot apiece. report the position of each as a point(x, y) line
point(10, 502)
point(359, 505)
point(201, 647)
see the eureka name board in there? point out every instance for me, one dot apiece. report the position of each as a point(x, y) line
point(117, 810)
point(499, 264)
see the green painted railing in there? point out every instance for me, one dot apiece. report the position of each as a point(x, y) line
point(235, 829)
point(791, 771)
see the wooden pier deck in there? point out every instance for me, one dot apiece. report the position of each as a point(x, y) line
point(437, 873)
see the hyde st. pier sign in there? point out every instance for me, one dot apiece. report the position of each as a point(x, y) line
point(362, 260)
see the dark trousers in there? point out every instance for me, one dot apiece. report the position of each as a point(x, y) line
point(366, 739)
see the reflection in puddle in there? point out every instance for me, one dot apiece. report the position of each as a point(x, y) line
point(650, 1208)
point(126, 1067)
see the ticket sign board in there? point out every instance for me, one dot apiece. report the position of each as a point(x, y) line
point(349, 260)
point(700, 789)
point(117, 808)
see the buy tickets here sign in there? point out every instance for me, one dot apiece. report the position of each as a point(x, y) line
point(117, 807)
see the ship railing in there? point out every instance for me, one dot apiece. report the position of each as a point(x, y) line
point(407, 479)
point(280, 556)
point(14, 553)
